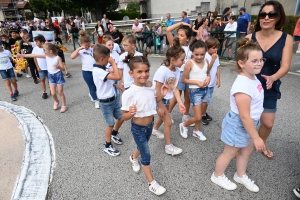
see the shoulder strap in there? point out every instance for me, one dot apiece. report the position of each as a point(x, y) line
point(253, 37)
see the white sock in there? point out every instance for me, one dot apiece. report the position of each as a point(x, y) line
point(154, 130)
point(168, 145)
point(152, 182)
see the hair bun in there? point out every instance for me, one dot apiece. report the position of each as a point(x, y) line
point(128, 58)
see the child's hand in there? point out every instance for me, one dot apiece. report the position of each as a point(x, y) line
point(56, 66)
point(164, 90)
point(259, 144)
point(132, 110)
point(111, 60)
point(161, 112)
point(110, 70)
point(269, 81)
point(39, 69)
point(200, 84)
point(80, 48)
point(214, 56)
point(218, 83)
point(206, 81)
point(119, 87)
point(181, 108)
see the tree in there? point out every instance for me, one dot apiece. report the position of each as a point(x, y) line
point(133, 6)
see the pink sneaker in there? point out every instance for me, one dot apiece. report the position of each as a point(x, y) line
point(63, 109)
point(55, 105)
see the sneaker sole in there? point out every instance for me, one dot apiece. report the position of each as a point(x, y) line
point(162, 192)
point(213, 180)
point(296, 193)
point(158, 136)
point(172, 153)
point(204, 123)
point(199, 137)
point(236, 180)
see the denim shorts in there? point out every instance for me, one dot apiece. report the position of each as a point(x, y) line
point(182, 86)
point(110, 111)
point(197, 95)
point(270, 105)
point(56, 79)
point(165, 102)
point(233, 132)
point(8, 74)
point(208, 96)
point(43, 74)
point(141, 136)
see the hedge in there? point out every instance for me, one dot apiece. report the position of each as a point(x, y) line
point(118, 16)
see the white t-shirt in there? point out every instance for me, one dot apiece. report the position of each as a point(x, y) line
point(100, 31)
point(41, 61)
point(77, 22)
point(82, 26)
point(167, 77)
point(104, 23)
point(142, 97)
point(188, 56)
point(5, 60)
point(87, 59)
point(231, 27)
point(254, 89)
point(104, 87)
point(137, 28)
point(51, 62)
point(117, 48)
point(213, 70)
point(127, 79)
point(116, 57)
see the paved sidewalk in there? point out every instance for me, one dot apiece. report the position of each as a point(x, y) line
point(11, 153)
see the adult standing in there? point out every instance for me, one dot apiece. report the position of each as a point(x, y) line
point(197, 24)
point(169, 22)
point(225, 14)
point(99, 29)
point(208, 15)
point(148, 36)
point(116, 35)
point(77, 21)
point(296, 35)
point(159, 37)
point(203, 31)
point(137, 29)
point(63, 28)
point(244, 22)
point(48, 14)
point(185, 18)
point(103, 21)
point(277, 47)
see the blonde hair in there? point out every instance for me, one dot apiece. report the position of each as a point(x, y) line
point(52, 47)
point(130, 38)
point(107, 38)
point(84, 37)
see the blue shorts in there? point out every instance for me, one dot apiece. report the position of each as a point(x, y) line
point(43, 74)
point(111, 110)
point(270, 105)
point(56, 79)
point(233, 132)
point(141, 136)
point(64, 32)
point(8, 74)
point(208, 96)
point(182, 86)
point(165, 102)
point(197, 95)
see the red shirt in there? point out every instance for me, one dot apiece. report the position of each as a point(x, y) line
point(297, 28)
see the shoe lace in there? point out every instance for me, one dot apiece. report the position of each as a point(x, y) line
point(226, 180)
point(173, 149)
point(248, 180)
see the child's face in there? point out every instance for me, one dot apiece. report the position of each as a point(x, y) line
point(110, 44)
point(140, 74)
point(103, 61)
point(254, 63)
point(47, 52)
point(199, 54)
point(13, 34)
point(179, 61)
point(128, 47)
point(3, 38)
point(212, 50)
point(86, 45)
point(39, 43)
point(183, 39)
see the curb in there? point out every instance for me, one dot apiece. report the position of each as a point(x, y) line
point(38, 157)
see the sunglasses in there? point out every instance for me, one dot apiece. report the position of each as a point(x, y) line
point(271, 15)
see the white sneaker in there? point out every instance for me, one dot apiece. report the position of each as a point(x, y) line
point(247, 182)
point(172, 150)
point(158, 134)
point(297, 51)
point(156, 188)
point(184, 120)
point(97, 104)
point(223, 181)
point(183, 130)
point(28, 76)
point(199, 134)
point(135, 164)
point(172, 121)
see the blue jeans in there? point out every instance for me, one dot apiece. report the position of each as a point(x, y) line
point(208, 96)
point(56, 79)
point(88, 78)
point(110, 111)
point(8, 74)
point(141, 136)
point(182, 86)
point(197, 95)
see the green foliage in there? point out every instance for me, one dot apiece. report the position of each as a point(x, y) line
point(133, 6)
point(119, 15)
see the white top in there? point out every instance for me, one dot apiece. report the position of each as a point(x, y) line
point(167, 77)
point(77, 22)
point(117, 48)
point(197, 73)
point(82, 26)
point(137, 28)
point(142, 97)
point(116, 57)
point(5, 60)
point(41, 61)
point(213, 70)
point(127, 79)
point(231, 27)
point(254, 89)
point(104, 87)
point(188, 56)
point(100, 31)
point(51, 62)
point(104, 23)
point(87, 59)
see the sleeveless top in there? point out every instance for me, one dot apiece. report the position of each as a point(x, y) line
point(205, 34)
point(51, 62)
point(198, 74)
point(273, 60)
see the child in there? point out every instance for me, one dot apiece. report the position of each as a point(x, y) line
point(60, 53)
point(55, 75)
point(239, 125)
point(184, 34)
point(165, 82)
point(85, 51)
point(128, 43)
point(108, 103)
point(231, 26)
point(7, 73)
point(196, 75)
point(214, 70)
point(41, 63)
point(139, 105)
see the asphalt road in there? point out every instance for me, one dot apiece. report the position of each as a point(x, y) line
point(84, 171)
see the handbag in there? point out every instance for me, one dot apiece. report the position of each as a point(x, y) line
point(158, 41)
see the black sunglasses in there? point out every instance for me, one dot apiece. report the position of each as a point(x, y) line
point(271, 15)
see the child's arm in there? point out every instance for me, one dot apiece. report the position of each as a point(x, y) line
point(173, 27)
point(218, 77)
point(243, 102)
point(214, 56)
point(75, 53)
point(129, 114)
point(115, 75)
point(31, 55)
point(178, 99)
point(60, 65)
point(159, 97)
point(37, 64)
point(185, 75)
point(200, 30)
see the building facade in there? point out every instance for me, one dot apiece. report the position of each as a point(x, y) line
point(14, 9)
point(123, 3)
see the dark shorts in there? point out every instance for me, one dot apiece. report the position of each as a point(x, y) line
point(270, 105)
point(296, 38)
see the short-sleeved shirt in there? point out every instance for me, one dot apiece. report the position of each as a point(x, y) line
point(186, 20)
point(127, 79)
point(63, 25)
point(242, 23)
point(77, 22)
point(27, 48)
point(116, 48)
point(104, 86)
point(104, 23)
point(116, 58)
point(254, 89)
point(87, 59)
point(5, 63)
point(137, 28)
point(213, 70)
point(12, 41)
point(41, 61)
point(170, 23)
point(167, 77)
point(142, 97)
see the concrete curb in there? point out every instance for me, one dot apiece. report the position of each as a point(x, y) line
point(39, 155)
